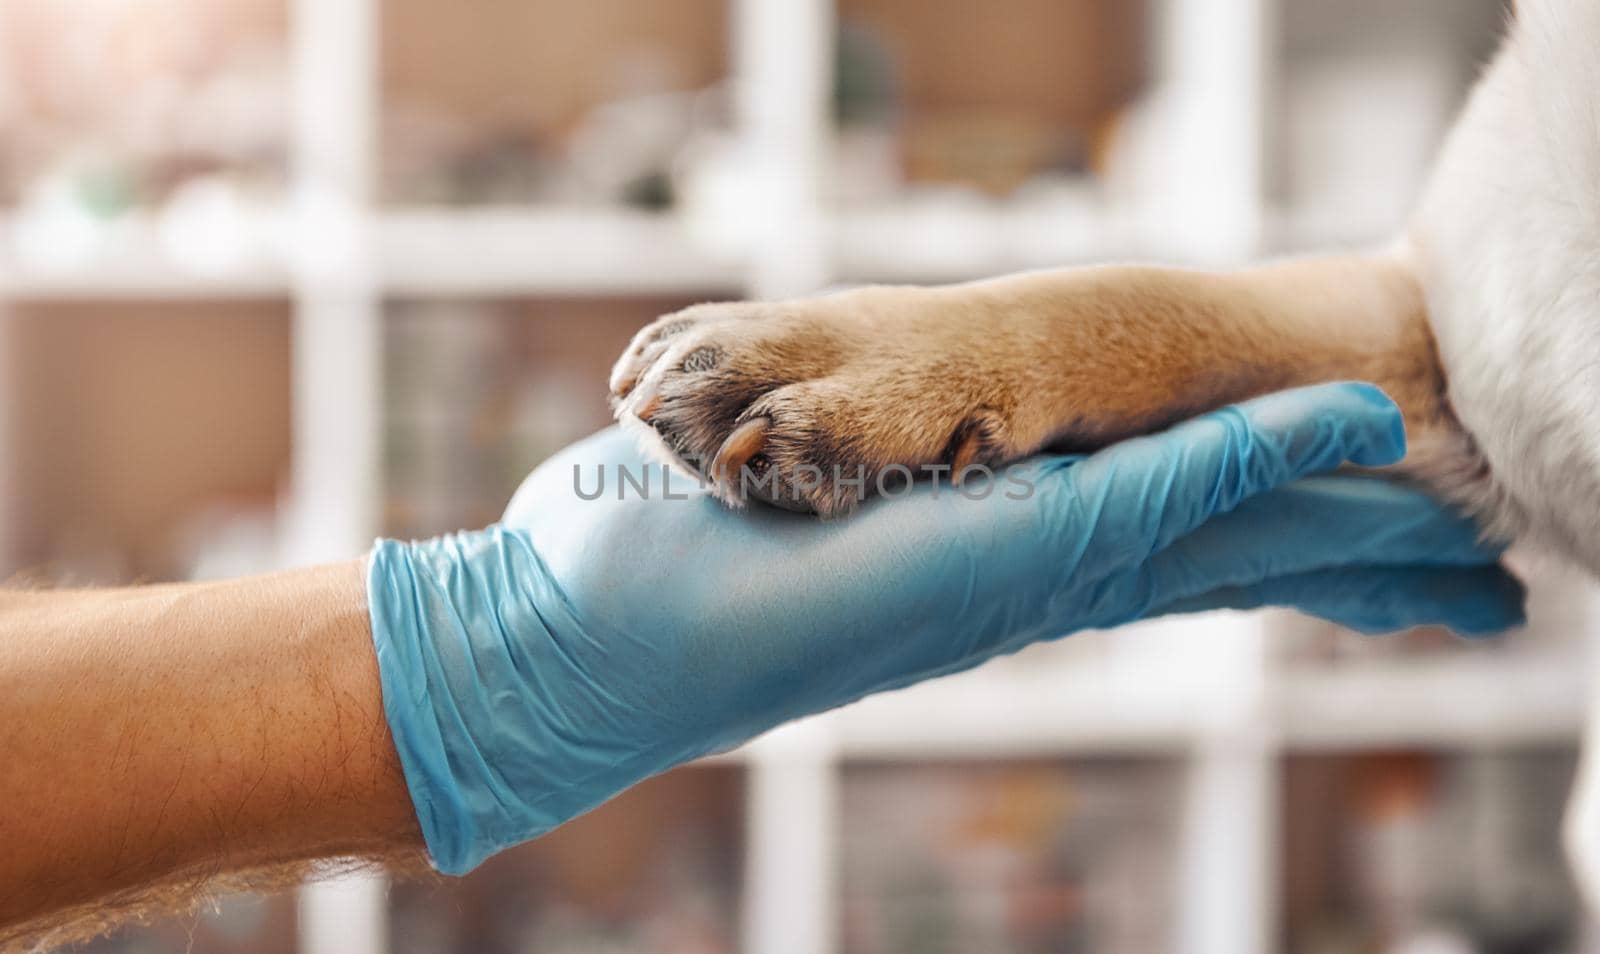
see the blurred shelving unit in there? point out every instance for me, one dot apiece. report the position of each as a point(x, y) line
point(138, 268)
point(1214, 707)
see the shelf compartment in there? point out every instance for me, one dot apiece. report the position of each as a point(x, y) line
point(1039, 85)
point(486, 102)
point(1409, 849)
point(656, 869)
point(479, 392)
point(145, 434)
point(1011, 855)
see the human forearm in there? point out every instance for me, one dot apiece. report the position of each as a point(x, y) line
point(179, 732)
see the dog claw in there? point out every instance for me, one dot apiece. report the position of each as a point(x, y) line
point(745, 443)
point(646, 405)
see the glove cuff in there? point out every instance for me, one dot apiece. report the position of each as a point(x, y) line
point(501, 732)
point(404, 602)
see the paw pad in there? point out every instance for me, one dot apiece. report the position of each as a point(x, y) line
point(701, 359)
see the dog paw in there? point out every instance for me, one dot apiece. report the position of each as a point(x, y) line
point(813, 405)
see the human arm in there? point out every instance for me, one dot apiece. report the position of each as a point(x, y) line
point(164, 740)
point(160, 739)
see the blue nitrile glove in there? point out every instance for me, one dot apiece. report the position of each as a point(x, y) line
point(535, 669)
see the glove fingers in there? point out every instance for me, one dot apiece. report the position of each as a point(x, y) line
point(1474, 602)
point(1141, 495)
point(1318, 523)
point(1323, 523)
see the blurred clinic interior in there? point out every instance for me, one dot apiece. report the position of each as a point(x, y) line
point(280, 275)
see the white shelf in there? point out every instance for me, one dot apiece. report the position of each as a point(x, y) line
point(131, 281)
point(1438, 705)
point(137, 257)
point(918, 241)
point(1153, 688)
point(527, 251)
point(486, 252)
point(509, 251)
point(453, 252)
point(1441, 703)
point(973, 716)
point(530, 251)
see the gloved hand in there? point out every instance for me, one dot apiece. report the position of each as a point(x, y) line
point(535, 669)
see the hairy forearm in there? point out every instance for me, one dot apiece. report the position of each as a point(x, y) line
point(181, 732)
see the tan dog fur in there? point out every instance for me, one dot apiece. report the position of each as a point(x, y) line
point(992, 371)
